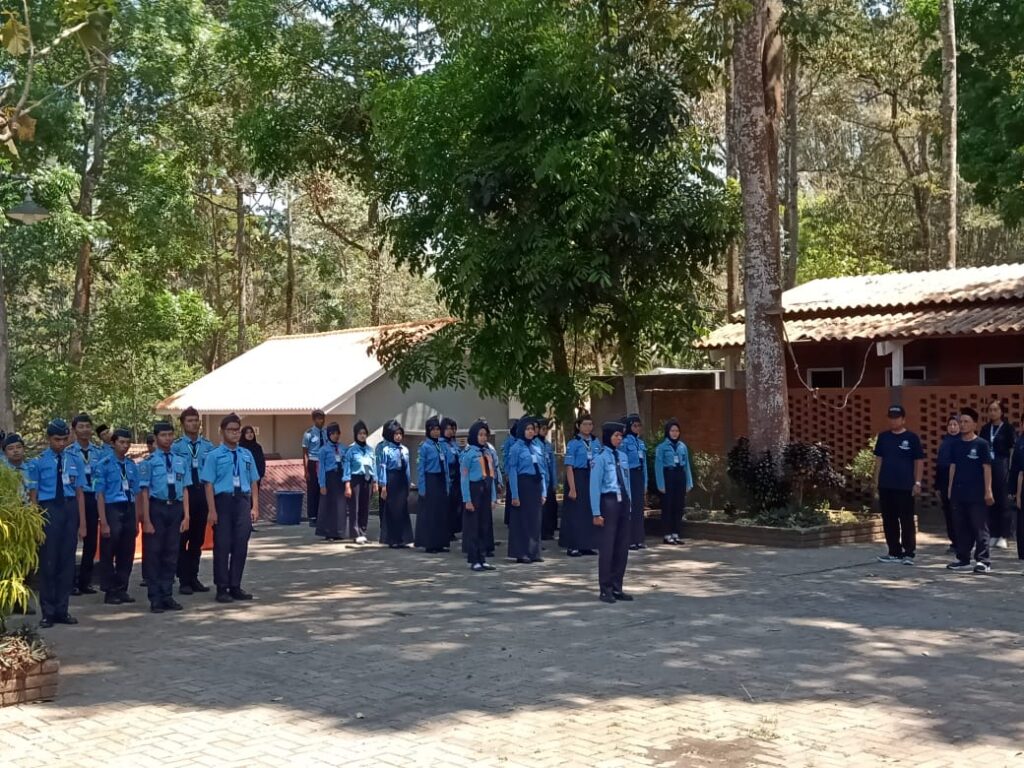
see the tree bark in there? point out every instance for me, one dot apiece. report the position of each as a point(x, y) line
point(242, 261)
point(733, 274)
point(289, 288)
point(792, 169)
point(6, 400)
point(92, 171)
point(565, 409)
point(757, 68)
point(376, 256)
point(950, 175)
point(627, 355)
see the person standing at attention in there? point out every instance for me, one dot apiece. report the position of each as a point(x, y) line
point(970, 489)
point(115, 500)
point(394, 478)
point(674, 477)
point(449, 430)
point(899, 466)
point(943, 458)
point(433, 532)
point(91, 455)
point(478, 483)
point(636, 451)
point(56, 479)
point(577, 533)
point(528, 487)
point(330, 521)
point(312, 441)
point(610, 505)
point(1000, 435)
point(360, 478)
point(193, 448)
point(549, 515)
point(233, 496)
point(163, 480)
point(14, 458)
point(1017, 483)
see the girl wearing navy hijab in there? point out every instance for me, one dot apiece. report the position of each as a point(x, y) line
point(394, 477)
point(549, 515)
point(636, 452)
point(330, 522)
point(478, 483)
point(578, 534)
point(448, 431)
point(610, 504)
point(674, 478)
point(528, 488)
point(360, 478)
point(506, 449)
point(432, 533)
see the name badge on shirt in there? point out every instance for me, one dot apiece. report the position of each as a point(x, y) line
point(170, 479)
point(66, 479)
point(124, 484)
point(195, 463)
point(236, 480)
point(677, 459)
point(534, 457)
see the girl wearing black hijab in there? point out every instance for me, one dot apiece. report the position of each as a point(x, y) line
point(610, 504)
point(330, 521)
point(449, 429)
point(432, 527)
point(674, 477)
point(528, 488)
point(394, 478)
point(478, 483)
point(578, 534)
point(248, 442)
point(360, 478)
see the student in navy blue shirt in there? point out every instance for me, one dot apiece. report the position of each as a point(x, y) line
point(899, 466)
point(943, 458)
point(636, 453)
point(610, 506)
point(970, 489)
point(116, 489)
point(1000, 435)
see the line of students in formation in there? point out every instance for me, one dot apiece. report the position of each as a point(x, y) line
point(979, 474)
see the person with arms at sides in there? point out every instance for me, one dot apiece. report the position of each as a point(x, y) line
point(106, 437)
point(14, 458)
point(943, 458)
point(488, 520)
point(360, 478)
point(330, 466)
point(528, 488)
point(251, 444)
point(115, 500)
point(1017, 483)
point(56, 478)
point(674, 478)
point(150, 450)
point(970, 489)
point(432, 523)
point(193, 448)
point(899, 466)
point(478, 483)
point(610, 507)
point(90, 454)
point(506, 448)
point(578, 534)
point(164, 478)
point(636, 452)
point(233, 496)
point(395, 478)
point(312, 441)
point(549, 514)
point(449, 429)
point(1000, 435)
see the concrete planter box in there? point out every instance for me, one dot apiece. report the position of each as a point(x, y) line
point(796, 538)
point(37, 682)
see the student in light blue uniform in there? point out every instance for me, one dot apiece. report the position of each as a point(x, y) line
point(330, 521)
point(360, 478)
point(479, 483)
point(433, 532)
point(91, 455)
point(194, 448)
point(674, 477)
point(528, 488)
point(578, 534)
point(313, 439)
point(116, 490)
point(56, 479)
point(610, 505)
point(233, 496)
point(499, 481)
point(549, 514)
point(636, 451)
point(14, 458)
point(449, 430)
point(394, 476)
point(506, 448)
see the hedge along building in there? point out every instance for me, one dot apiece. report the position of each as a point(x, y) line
point(933, 341)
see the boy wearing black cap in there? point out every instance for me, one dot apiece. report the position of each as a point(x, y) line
point(313, 439)
point(899, 466)
point(970, 490)
point(116, 489)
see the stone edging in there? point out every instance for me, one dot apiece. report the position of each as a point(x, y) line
point(38, 682)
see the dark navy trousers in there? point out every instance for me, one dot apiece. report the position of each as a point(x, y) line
point(615, 535)
point(160, 553)
point(191, 548)
point(117, 551)
point(89, 543)
point(57, 556)
point(972, 519)
point(231, 538)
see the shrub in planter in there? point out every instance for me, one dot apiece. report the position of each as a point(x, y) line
point(21, 533)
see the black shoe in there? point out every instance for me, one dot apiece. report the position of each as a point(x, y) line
point(240, 594)
point(45, 622)
point(487, 567)
point(588, 552)
point(574, 553)
point(113, 598)
point(626, 598)
point(76, 592)
point(606, 597)
point(523, 560)
point(185, 589)
point(143, 584)
point(126, 598)
point(198, 586)
point(223, 596)
point(86, 590)
point(67, 618)
point(490, 554)
point(156, 608)
point(171, 604)
point(536, 559)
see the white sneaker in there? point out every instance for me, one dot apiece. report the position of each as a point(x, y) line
point(360, 539)
point(668, 540)
point(889, 559)
point(983, 568)
point(1000, 543)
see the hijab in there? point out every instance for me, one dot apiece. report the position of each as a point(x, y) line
point(628, 422)
point(334, 428)
point(432, 423)
point(608, 429)
point(522, 424)
point(245, 442)
point(474, 431)
point(446, 422)
point(673, 422)
point(359, 426)
point(390, 428)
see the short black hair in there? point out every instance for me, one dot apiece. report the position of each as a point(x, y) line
point(231, 418)
point(102, 428)
point(150, 439)
point(969, 412)
point(122, 432)
point(317, 412)
point(82, 418)
point(162, 426)
point(190, 411)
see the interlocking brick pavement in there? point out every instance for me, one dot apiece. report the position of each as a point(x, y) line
point(362, 656)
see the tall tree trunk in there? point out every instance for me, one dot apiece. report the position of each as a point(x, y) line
point(376, 256)
point(6, 399)
point(241, 257)
point(627, 355)
point(565, 405)
point(733, 274)
point(950, 175)
point(758, 71)
point(289, 288)
point(92, 171)
point(792, 169)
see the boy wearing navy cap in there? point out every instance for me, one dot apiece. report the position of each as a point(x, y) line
point(970, 490)
point(899, 465)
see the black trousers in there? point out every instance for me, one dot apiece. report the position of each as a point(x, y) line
point(897, 508)
point(614, 551)
point(971, 531)
point(1020, 533)
point(637, 535)
point(160, 552)
point(117, 551)
point(191, 548)
point(947, 514)
point(57, 556)
point(1000, 524)
point(312, 491)
point(474, 524)
point(455, 503)
point(673, 501)
point(359, 507)
point(231, 538)
point(90, 542)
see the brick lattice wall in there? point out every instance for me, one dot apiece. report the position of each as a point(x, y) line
point(37, 683)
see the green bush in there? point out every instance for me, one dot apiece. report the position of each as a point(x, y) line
point(862, 470)
point(21, 533)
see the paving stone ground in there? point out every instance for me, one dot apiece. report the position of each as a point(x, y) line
point(730, 656)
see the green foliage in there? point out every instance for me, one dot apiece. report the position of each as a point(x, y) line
point(806, 481)
point(21, 533)
point(834, 242)
point(862, 469)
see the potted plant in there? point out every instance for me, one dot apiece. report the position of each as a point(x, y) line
point(28, 670)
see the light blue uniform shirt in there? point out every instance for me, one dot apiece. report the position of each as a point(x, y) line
point(432, 459)
point(97, 453)
point(604, 478)
point(497, 464)
point(330, 459)
point(580, 453)
point(360, 461)
point(154, 475)
point(22, 469)
point(451, 455)
point(393, 457)
point(43, 474)
point(636, 451)
point(229, 470)
point(313, 439)
point(667, 456)
point(473, 461)
point(550, 463)
point(525, 459)
point(194, 453)
point(118, 481)
point(506, 449)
